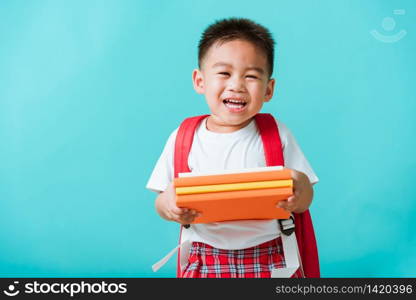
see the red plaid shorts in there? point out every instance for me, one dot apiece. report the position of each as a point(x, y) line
point(206, 261)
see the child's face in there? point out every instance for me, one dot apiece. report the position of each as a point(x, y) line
point(235, 81)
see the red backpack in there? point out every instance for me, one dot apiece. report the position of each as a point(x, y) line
point(269, 133)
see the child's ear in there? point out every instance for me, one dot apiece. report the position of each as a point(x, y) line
point(198, 81)
point(269, 90)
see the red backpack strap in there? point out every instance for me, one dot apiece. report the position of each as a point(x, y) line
point(183, 144)
point(270, 137)
point(305, 234)
point(308, 249)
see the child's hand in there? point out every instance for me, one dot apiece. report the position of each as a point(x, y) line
point(167, 209)
point(302, 194)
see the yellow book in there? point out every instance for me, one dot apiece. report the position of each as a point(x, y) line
point(243, 186)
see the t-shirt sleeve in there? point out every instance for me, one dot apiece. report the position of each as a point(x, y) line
point(294, 157)
point(162, 174)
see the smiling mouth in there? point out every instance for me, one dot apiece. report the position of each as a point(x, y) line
point(234, 103)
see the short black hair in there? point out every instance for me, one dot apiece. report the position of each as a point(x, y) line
point(237, 28)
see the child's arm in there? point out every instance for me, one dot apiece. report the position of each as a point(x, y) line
point(166, 207)
point(302, 194)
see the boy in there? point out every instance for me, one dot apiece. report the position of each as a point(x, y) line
point(235, 68)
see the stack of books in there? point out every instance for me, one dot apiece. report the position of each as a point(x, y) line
point(235, 195)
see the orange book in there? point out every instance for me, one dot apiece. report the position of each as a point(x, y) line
point(237, 205)
point(233, 178)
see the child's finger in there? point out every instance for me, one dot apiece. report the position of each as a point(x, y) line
point(288, 204)
point(193, 214)
point(282, 204)
point(190, 212)
point(291, 198)
point(187, 219)
point(190, 216)
point(178, 211)
point(172, 216)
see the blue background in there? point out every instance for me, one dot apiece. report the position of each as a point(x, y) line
point(90, 91)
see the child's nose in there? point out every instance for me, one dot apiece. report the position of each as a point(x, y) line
point(236, 84)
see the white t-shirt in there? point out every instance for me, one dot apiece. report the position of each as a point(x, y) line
point(213, 151)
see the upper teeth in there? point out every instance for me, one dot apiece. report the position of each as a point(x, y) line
point(235, 101)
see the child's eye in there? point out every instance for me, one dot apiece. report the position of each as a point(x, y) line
point(251, 76)
point(224, 73)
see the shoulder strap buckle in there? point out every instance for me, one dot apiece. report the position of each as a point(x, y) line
point(287, 226)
